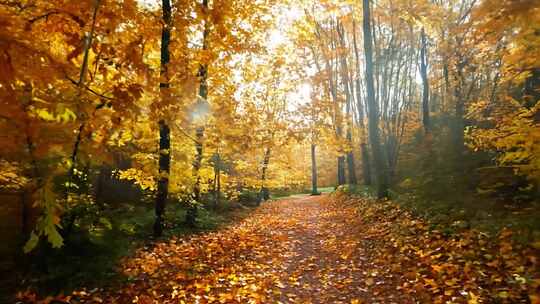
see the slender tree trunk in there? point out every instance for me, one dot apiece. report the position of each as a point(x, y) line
point(382, 183)
point(163, 182)
point(459, 123)
point(314, 190)
point(336, 117)
point(264, 193)
point(348, 99)
point(366, 165)
point(82, 76)
point(342, 180)
point(164, 131)
point(350, 162)
point(217, 180)
point(27, 102)
point(191, 214)
point(425, 82)
point(70, 220)
point(218, 192)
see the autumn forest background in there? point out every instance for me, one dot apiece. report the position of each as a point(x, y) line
point(130, 124)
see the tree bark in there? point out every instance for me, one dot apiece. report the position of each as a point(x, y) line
point(350, 163)
point(314, 190)
point(164, 131)
point(342, 180)
point(264, 193)
point(366, 165)
point(348, 99)
point(164, 170)
point(191, 214)
point(373, 118)
point(70, 220)
point(27, 102)
point(425, 82)
point(82, 76)
point(459, 123)
point(217, 180)
point(336, 117)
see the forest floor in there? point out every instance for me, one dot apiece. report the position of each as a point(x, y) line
point(324, 249)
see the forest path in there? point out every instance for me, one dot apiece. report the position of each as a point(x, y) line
point(293, 250)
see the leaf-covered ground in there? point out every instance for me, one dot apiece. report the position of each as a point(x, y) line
point(327, 249)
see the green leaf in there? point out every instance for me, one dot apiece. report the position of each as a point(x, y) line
point(105, 222)
point(53, 236)
point(31, 243)
point(44, 114)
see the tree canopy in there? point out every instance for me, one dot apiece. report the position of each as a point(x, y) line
point(201, 103)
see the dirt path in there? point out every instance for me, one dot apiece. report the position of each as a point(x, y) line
point(326, 262)
point(297, 250)
point(326, 250)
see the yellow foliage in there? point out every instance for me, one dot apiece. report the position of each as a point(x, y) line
point(141, 178)
point(11, 177)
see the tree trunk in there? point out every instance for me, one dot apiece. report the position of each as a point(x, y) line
point(373, 117)
point(163, 182)
point(366, 165)
point(164, 131)
point(191, 214)
point(217, 181)
point(350, 163)
point(82, 76)
point(341, 171)
point(27, 103)
point(348, 99)
point(313, 171)
point(425, 82)
point(459, 123)
point(264, 194)
point(336, 117)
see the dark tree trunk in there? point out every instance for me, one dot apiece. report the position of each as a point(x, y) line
point(341, 170)
point(264, 194)
point(217, 180)
point(366, 165)
point(425, 82)
point(191, 214)
point(350, 163)
point(458, 124)
point(163, 182)
point(27, 103)
point(373, 117)
point(314, 190)
point(164, 131)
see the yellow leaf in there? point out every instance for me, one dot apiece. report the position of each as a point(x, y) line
point(473, 299)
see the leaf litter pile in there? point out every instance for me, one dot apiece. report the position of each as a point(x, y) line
point(328, 249)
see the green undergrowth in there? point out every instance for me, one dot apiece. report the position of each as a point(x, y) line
point(479, 213)
point(252, 195)
point(472, 211)
point(325, 189)
point(282, 193)
point(89, 256)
